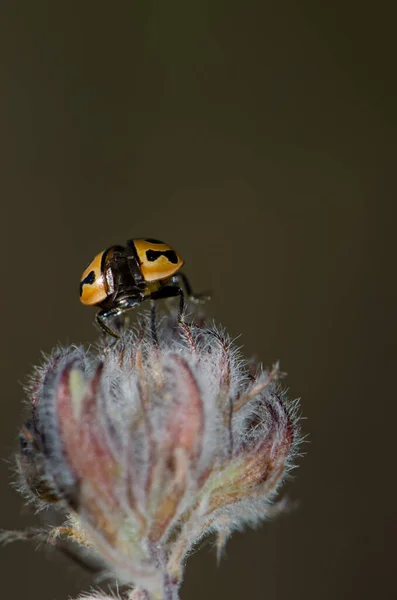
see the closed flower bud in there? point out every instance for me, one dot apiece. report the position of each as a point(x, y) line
point(153, 444)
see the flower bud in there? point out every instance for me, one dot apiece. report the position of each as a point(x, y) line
point(151, 445)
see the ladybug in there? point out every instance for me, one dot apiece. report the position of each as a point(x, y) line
point(120, 278)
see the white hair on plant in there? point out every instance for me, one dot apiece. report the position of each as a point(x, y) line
point(148, 446)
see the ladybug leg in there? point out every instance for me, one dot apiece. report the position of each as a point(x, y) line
point(171, 291)
point(186, 283)
point(101, 317)
point(121, 307)
point(197, 298)
point(153, 324)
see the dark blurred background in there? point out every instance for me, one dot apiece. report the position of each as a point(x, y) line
point(258, 138)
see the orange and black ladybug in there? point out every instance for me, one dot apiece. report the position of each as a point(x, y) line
point(120, 278)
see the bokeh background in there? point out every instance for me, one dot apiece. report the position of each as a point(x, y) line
point(258, 138)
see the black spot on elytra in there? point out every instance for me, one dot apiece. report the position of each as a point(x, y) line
point(153, 255)
point(152, 241)
point(89, 280)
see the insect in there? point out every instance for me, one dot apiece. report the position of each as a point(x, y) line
point(120, 278)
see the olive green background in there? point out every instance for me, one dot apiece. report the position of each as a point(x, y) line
point(258, 138)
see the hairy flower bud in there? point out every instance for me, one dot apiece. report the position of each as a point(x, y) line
point(153, 444)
